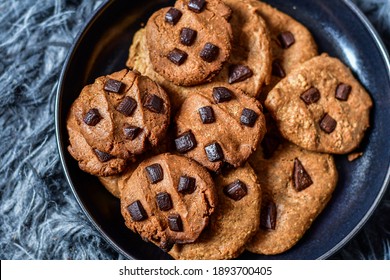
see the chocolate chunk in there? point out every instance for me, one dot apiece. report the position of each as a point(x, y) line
point(130, 131)
point(177, 56)
point(327, 123)
point(166, 245)
point(277, 69)
point(127, 106)
point(113, 86)
point(235, 190)
point(286, 39)
point(302, 179)
point(312, 95)
point(102, 156)
point(186, 185)
point(214, 152)
point(164, 201)
point(173, 16)
point(209, 53)
point(196, 5)
point(222, 94)
point(175, 223)
point(92, 117)
point(268, 215)
point(154, 103)
point(248, 117)
point(343, 91)
point(206, 114)
point(137, 211)
point(185, 142)
point(239, 73)
point(187, 36)
point(155, 173)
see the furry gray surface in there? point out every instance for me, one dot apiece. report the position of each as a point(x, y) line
point(39, 216)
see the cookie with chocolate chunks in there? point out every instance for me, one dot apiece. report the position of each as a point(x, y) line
point(225, 126)
point(234, 222)
point(297, 185)
point(321, 107)
point(168, 199)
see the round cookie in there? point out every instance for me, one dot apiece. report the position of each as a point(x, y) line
point(235, 221)
point(219, 125)
point(321, 107)
point(297, 184)
point(189, 43)
point(168, 199)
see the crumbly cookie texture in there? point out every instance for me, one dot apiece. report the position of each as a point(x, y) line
point(321, 107)
point(297, 184)
point(168, 199)
point(235, 221)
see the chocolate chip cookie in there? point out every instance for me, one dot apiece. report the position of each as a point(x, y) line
point(168, 199)
point(297, 184)
point(321, 107)
point(235, 221)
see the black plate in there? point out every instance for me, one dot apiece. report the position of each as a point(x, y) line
point(339, 29)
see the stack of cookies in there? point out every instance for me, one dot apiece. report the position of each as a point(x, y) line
point(220, 137)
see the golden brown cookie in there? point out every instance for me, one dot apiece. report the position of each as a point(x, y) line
point(297, 184)
point(321, 107)
point(168, 199)
point(234, 222)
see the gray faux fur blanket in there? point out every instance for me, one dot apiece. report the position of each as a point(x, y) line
point(39, 216)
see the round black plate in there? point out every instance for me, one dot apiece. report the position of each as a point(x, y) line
point(339, 29)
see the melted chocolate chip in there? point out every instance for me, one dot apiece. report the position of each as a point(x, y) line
point(248, 117)
point(235, 190)
point(209, 53)
point(206, 114)
point(343, 91)
point(286, 39)
point(196, 5)
point(239, 73)
point(155, 173)
point(102, 156)
point(277, 69)
point(268, 215)
point(187, 36)
point(137, 211)
point(127, 106)
point(112, 85)
point(177, 56)
point(187, 185)
point(312, 95)
point(173, 16)
point(130, 131)
point(327, 123)
point(185, 142)
point(222, 94)
point(175, 223)
point(302, 179)
point(164, 201)
point(92, 117)
point(214, 152)
point(154, 103)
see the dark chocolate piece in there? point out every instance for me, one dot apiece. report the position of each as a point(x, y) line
point(302, 179)
point(173, 16)
point(214, 152)
point(166, 245)
point(164, 201)
point(222, 94)
point(102, 156)
point(137, 211)
point(112, 85)
point(327, 123)
point(343, 91)
point(127, 106)
point(196, 5)
point(187, 185)
point(239, 73)
point(248, 117)
point(175, 223)
point(187, 36)
point(155, 173)
point(206, 114)
point(177, 56)
point(209, 53)
point(286, 39)
point(154, 103)
point(235, 190)
point(312, 95)
point(130, 131)
point(277, 69)
point(185, 142)
point(92, 117)
point(268, 215)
